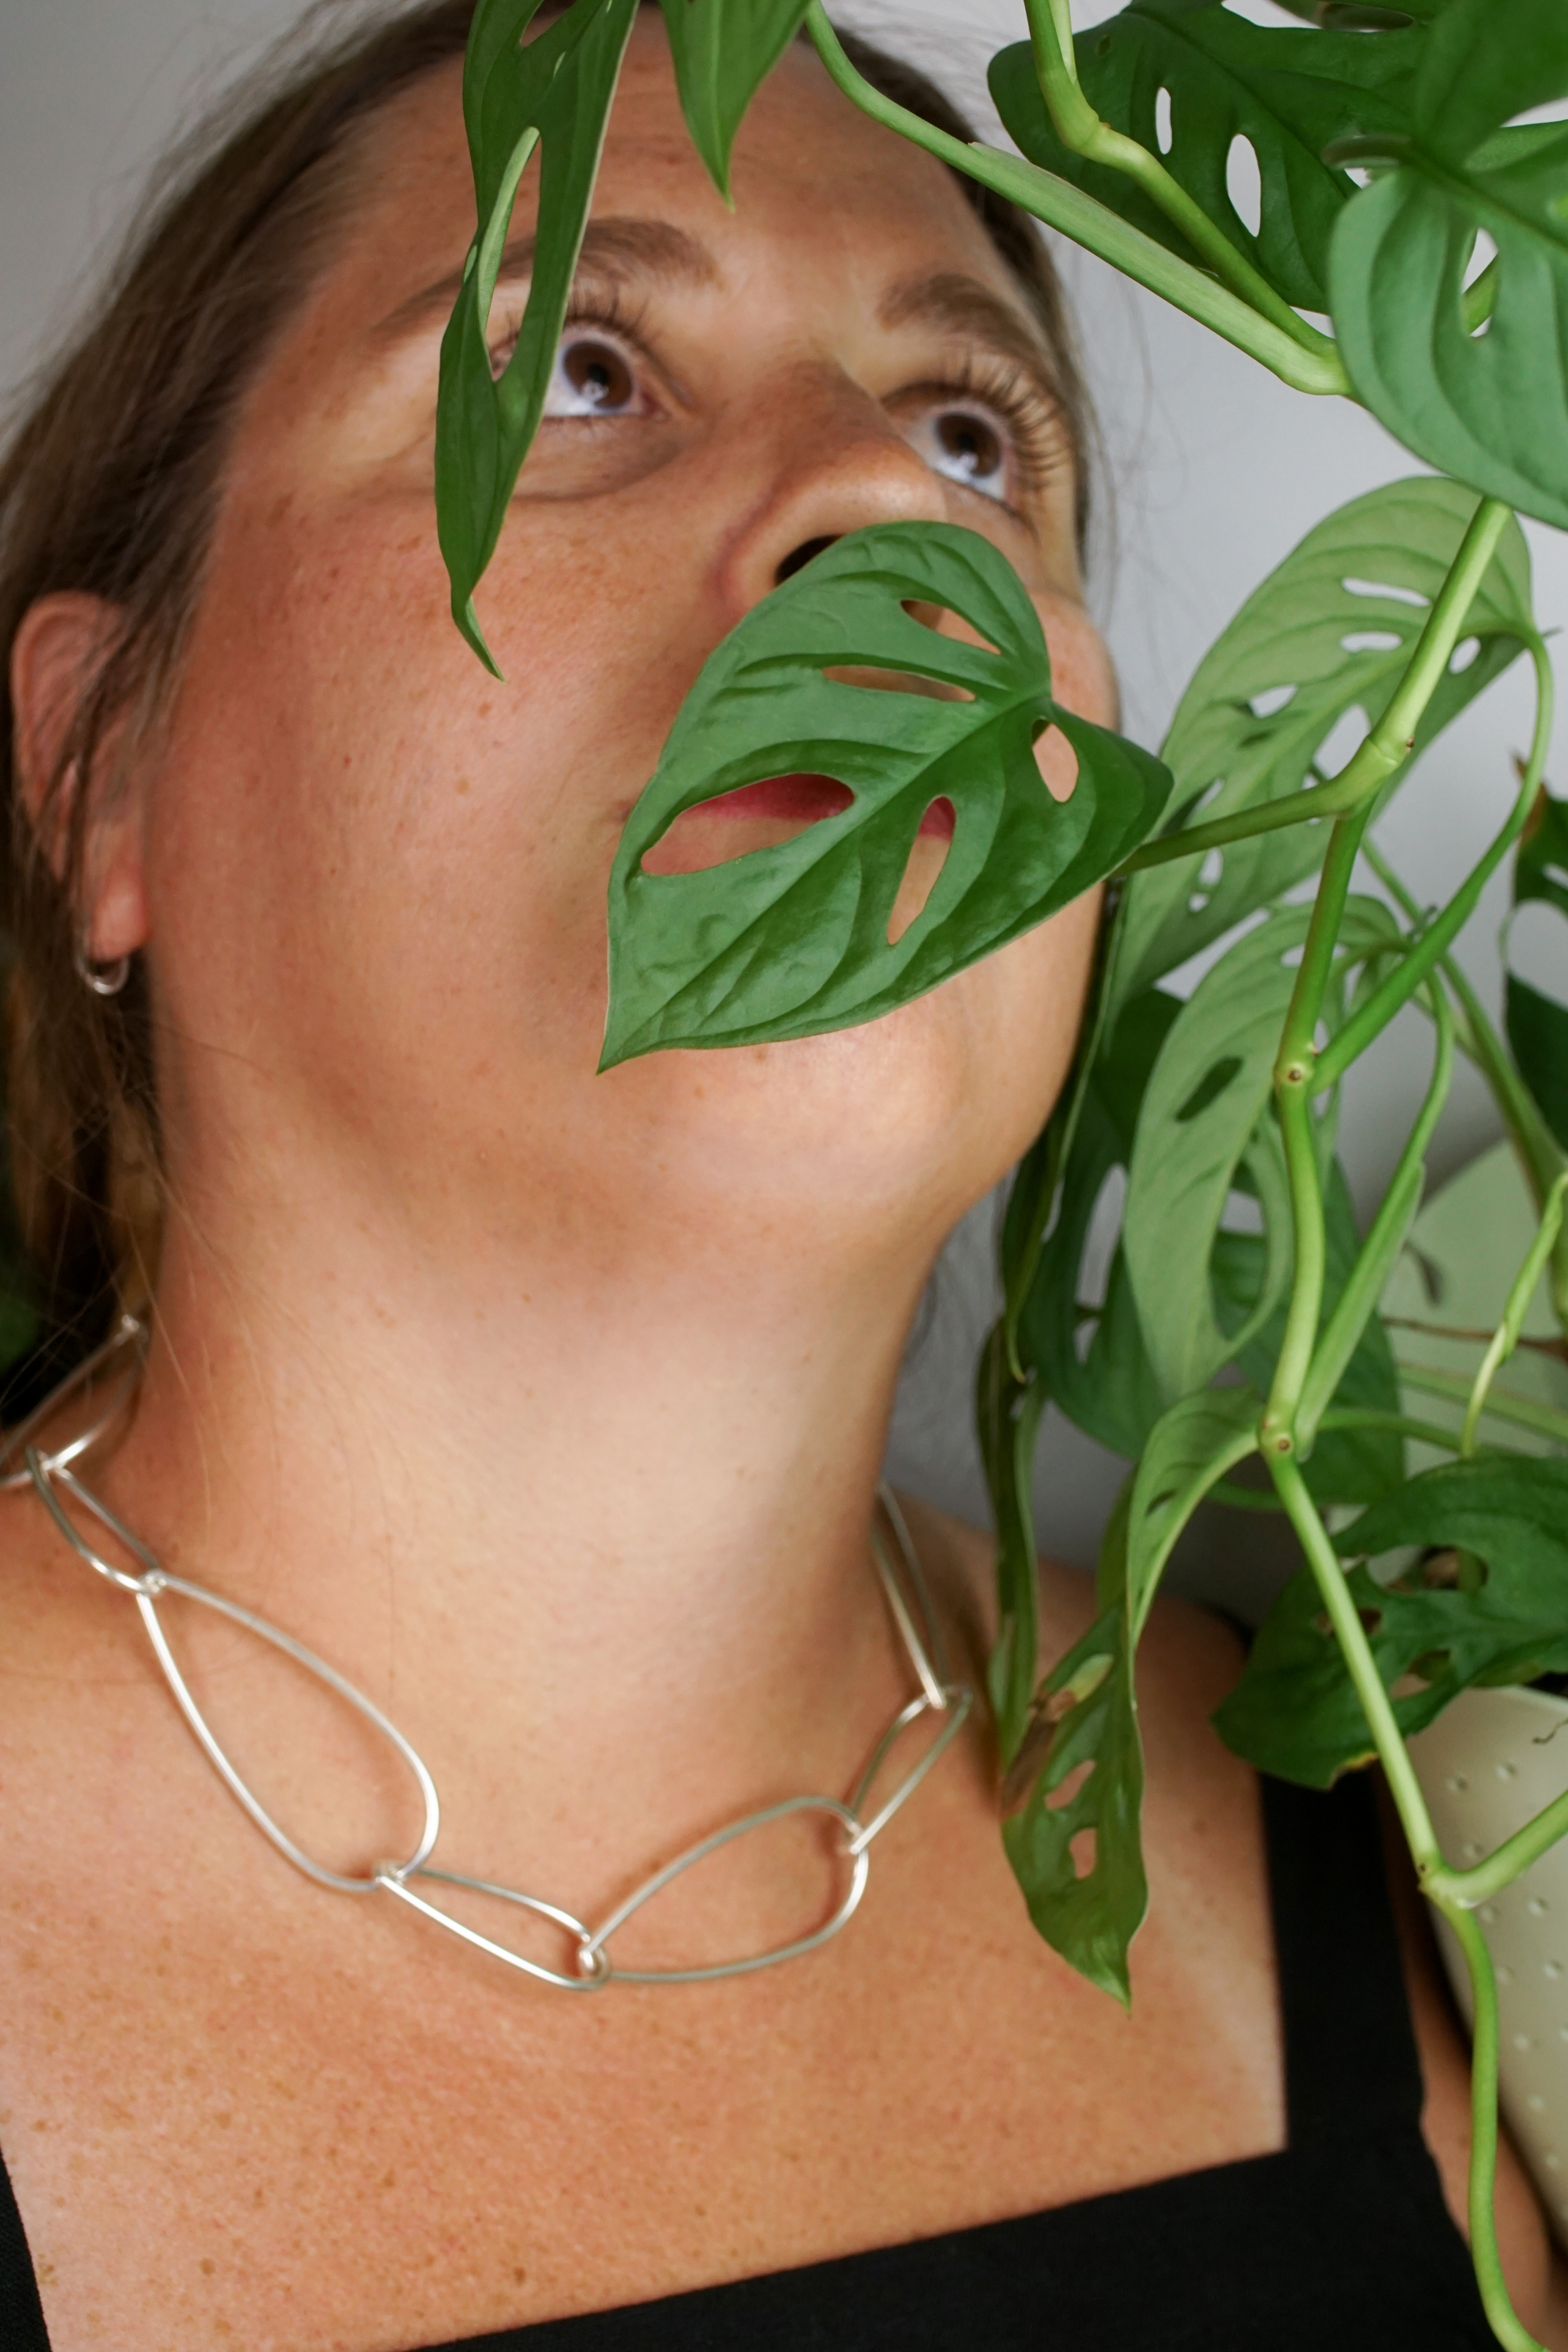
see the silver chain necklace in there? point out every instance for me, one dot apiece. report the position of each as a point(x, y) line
point(591, 1968)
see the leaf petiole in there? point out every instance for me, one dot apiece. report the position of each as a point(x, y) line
point(1376, 1705)
point(1506, 2325)
point(1396, 990)
point(1080, 128)
point(1505, 1338)
point(1385, 1240)
point(1501, 1404)
point(1538, 1154)
point(1094, 226)
point(1294, 1089)
point(1358, 1416)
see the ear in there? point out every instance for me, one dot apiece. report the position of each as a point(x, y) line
point(55, 657)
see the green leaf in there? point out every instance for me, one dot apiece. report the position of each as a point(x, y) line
point(1332, 628)
point(1538, 1025)
point(1295, 1711)
point(1489, 408)
point(1095, 1367)
point(1195, 1442)
point(1538, 1038)
point(554, 94)
point(724, 51)
point(1085, 1711)
point(1207, 1098)
point(1089, 1916)
point(790, 940)
point(1008, 1412)
point(1486, 60)
point(1290, 94)
point(1088, 1908)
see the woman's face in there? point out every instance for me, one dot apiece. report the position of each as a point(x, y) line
point(373, 879)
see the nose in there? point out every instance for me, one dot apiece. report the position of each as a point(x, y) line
point(834, 462)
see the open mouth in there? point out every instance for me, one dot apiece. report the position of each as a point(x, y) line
point(759, 816)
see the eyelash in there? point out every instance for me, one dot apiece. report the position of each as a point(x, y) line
point(603, 309)
point(1033, 423)
point(1008, 391)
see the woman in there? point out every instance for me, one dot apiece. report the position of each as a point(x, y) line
point(548, 1408)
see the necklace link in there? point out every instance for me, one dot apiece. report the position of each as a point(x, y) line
point(592, 1968)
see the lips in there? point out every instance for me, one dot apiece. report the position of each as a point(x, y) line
point(759, 816)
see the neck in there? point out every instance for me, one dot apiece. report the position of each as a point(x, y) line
point(596, 1531)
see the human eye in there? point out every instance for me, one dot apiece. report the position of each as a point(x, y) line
point(967, 446)
point(598, 369)
point(991, 428)
point(594, 376)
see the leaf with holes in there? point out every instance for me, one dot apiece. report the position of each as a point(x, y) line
point(1203, 1115)
point(552, 95)
point(1488, 406)
point(1286, 95)
point(1328, 632)
point(1537, 1024)
point(723, 51)
point(1295, 1711)
point(792, 940)
point(1090, 1356)
point(1083, 1719)
point(1084, 1722)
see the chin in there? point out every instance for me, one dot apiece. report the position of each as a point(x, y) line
point(927, 1104)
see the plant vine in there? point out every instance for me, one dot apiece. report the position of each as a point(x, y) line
point(1391, 143)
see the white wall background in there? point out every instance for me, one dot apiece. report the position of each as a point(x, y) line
point(1217, 472)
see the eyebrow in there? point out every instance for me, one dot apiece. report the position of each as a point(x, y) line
point(958, 305)
point(615, 250)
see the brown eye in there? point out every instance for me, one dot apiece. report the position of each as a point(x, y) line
point(966, 445)
point(591, 378)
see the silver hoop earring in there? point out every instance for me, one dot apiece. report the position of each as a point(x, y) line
point(103, 979)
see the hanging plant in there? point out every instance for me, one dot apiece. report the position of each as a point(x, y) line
point(1387, 149)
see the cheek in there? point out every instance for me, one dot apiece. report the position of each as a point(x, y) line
point(1082, 681)
point(1032, 997)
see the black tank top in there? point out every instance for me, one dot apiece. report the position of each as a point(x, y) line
point(1341, 2242)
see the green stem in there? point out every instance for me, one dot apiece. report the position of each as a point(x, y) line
point(1093, 225)
point(1506, 2325)
point(1082, 130)
point(1293, 1092)
point(1385, 1240)
point(1505, 1338)
point(1376, 1704)
point(1396, 990)
point(1538, 1154)
point(1243, 1499)
point(1505, 1863)
point(1359, 1416)
point(1500, 1404)
point(1393, 739)
point(1437, 1880)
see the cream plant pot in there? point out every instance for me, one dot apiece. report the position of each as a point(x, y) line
point(1491, 1760)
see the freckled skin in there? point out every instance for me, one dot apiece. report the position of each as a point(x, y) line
point(549, 1407)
